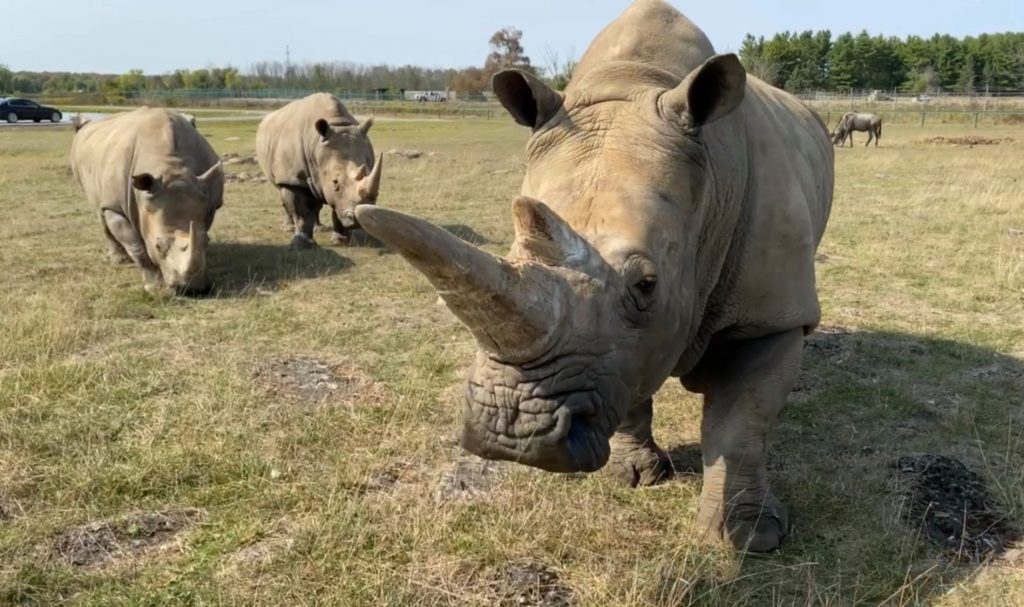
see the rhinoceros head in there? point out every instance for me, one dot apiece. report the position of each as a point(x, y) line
point(592, 307)
point(349, 172)
point(175, 212)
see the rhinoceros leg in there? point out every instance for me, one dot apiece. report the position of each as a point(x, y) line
point(303, 208)
point(287, 221)
point(636, 460)
point(745, 385)
point(130, 242)
point(115, 250)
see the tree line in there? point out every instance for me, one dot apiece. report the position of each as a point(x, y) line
point(506, 51)
point(796, 61)
point(809, 60)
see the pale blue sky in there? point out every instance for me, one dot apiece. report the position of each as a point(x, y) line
point(116, 35)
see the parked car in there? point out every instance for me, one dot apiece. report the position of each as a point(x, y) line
point(431, 96)
point(13, 109)
point(923, 99)
point(877, 95)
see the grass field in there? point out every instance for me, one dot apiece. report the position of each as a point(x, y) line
point(286, 439)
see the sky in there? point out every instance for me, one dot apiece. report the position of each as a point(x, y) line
point(113, 36)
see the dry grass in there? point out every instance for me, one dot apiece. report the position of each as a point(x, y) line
point(112, 402)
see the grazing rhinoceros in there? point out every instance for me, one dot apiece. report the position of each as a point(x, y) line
point(317, 153)
point(852, 121)
point(667, 226)
point(158, 184)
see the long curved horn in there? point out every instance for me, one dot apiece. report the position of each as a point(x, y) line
point(370, 187)
point(511, 309)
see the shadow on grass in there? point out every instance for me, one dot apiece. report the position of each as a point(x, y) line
point(901, 459)
point(238, 269)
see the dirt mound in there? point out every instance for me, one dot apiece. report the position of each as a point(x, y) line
point(105, 542)
point(952, 507)
point(967, 140)
point(313, 381)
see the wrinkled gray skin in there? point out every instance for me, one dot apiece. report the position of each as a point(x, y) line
point(852, 121)
point(315, 152)
point(670, 213)
point(158, 184)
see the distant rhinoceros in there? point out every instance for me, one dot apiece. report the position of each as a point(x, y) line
point(315, 152)
point(158, 184)
point(852, 121)
point(667, 226)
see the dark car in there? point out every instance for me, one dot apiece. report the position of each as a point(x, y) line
point(14, 109)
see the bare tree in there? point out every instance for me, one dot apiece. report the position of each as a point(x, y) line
point(507, 51)
point(558, 72)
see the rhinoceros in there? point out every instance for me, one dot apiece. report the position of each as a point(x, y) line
point(667, 226)
point(852, 121)
point(315, 152)
point(158, 184)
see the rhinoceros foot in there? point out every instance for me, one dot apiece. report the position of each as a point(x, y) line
point(638, 465)
point(118, 257)
point(756, 526)
point(302, 242)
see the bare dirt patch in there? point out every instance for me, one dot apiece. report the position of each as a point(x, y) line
point(528, 584)
point(313, 381)
point(133, 536)
point(953, 508)
point(469, 477)
point(967, 140)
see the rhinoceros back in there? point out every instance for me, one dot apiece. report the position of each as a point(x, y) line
point(286, 139)
point(769, 272)
point(106, 153)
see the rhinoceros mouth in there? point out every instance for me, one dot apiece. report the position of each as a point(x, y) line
point(559, 430)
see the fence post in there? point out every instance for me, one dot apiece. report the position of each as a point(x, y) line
point(922, 118)
point(976, 115)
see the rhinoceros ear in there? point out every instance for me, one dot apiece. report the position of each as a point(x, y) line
point(365, 127)
point(531, 102)
point(323, 129)
point(541, 235)
point(144, 182)
point(709, 92)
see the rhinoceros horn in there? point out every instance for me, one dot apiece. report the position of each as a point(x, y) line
point(511, 307)
point(369, 186)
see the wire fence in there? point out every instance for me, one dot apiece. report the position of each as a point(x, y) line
point(969, 110)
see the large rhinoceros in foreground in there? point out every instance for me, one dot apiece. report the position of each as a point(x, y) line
point(315, 152)
point(158, 184)
point(667, 227)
